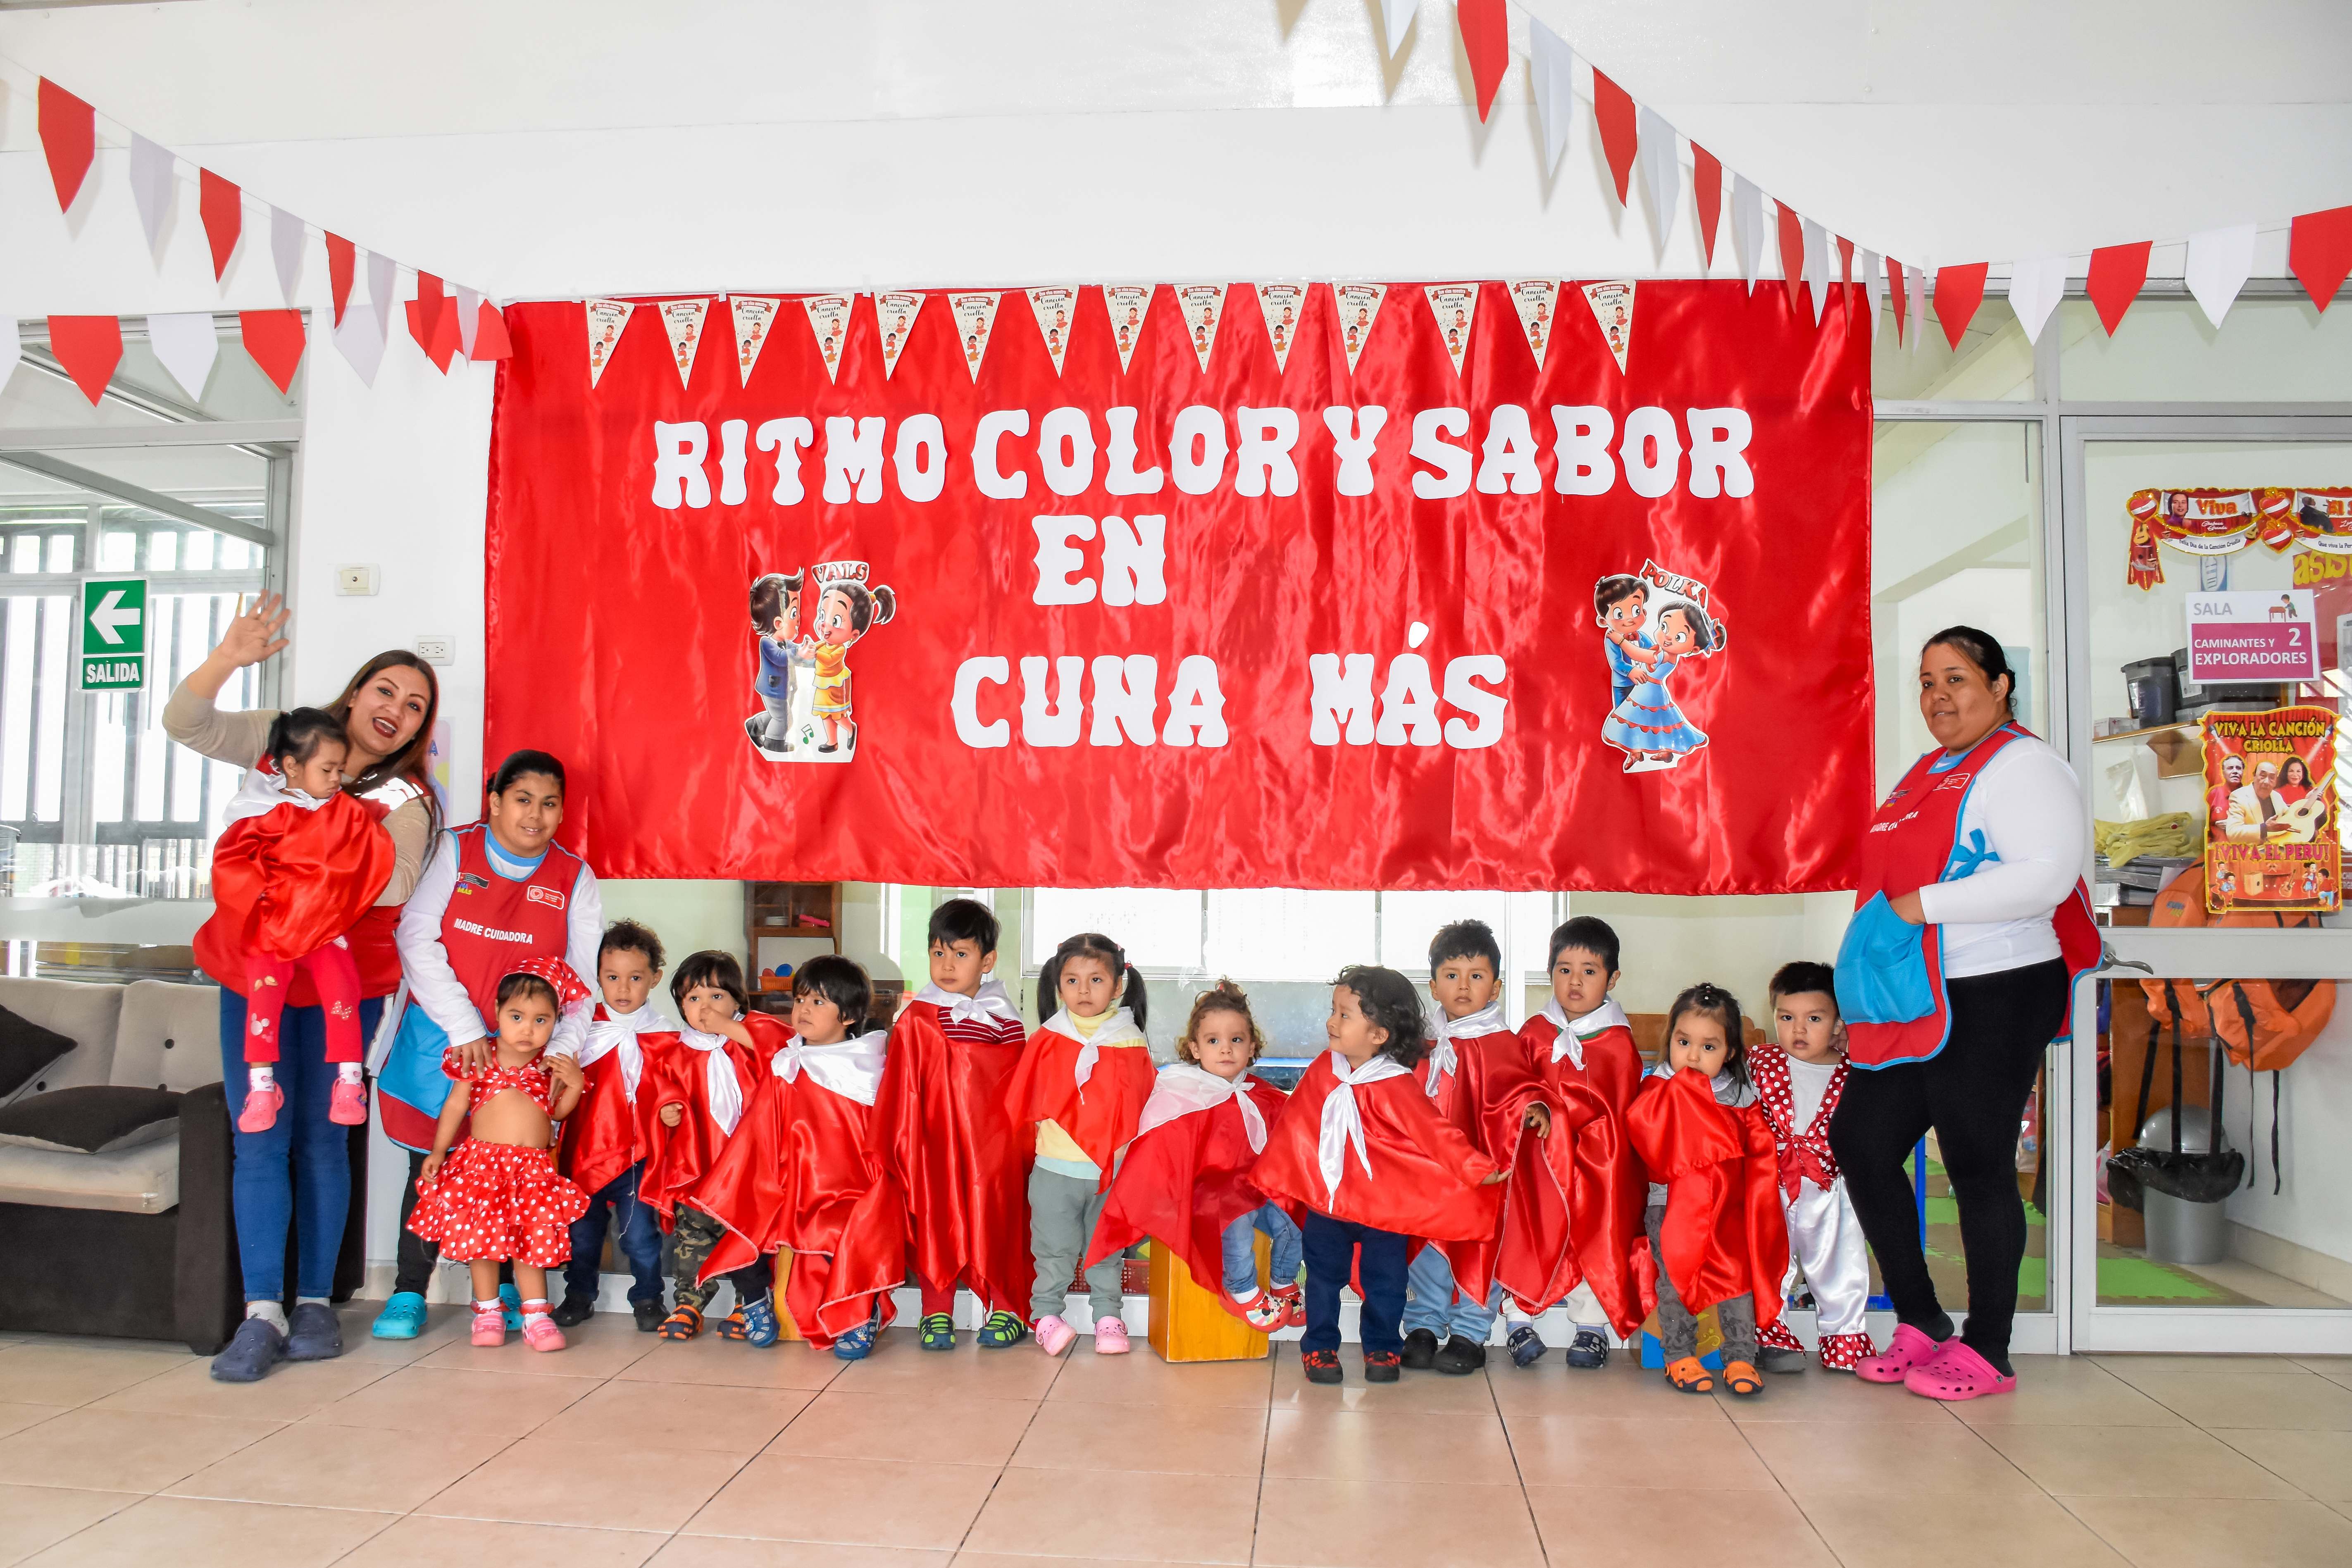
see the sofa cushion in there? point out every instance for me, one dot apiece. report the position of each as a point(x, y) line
point(144, 1180)
point(95, 1119)
point(82, 1012)
point(26, 1048)
point(169, 1037)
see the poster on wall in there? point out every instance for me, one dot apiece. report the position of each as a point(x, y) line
point(2271, 838)
point(2264, 637)
point(1354, 622)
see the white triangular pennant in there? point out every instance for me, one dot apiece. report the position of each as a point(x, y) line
point(1203, 306)
point(286, 250)
point(470, 319)
point(187, 345)
point(1816, 273)
point(1283, 304)
point(1552, 65)
point(681, 321)
point(1128, 304)
point(1612, 312)
point(2220, 260)
point(384, 291)
point(1873, 284)
point(1396, 20)
point(895, 313)
point(2034, 289)
point(754, 319)
point(974, 315)
point(151, 186)
point(360, 340)
point(607, 320)
point(828, 316)
point(1455, 307)
point(11, 344)
point(1747, 226)
point(1661, 170)
point(1359, 307)
point(1054, 308)
point(1915, 291)
point(1534, 298)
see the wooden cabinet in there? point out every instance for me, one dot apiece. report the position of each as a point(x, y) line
point(784, 925)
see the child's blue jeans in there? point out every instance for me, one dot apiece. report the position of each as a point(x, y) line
point(1436, 1306)
point(636, 1236)
point(1330, 1247)
point(1241, 1251)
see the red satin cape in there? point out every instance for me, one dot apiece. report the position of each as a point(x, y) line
point(676, 1157)
point(288, 882)
point(1100, 1117)
point(1596, 1169)
point(601, 1137)
point(1183, 1183)
point(1724, 1234)
point(959, 1161)
point(1487, 1097)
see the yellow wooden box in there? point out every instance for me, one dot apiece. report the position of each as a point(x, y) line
point(1187, 1321)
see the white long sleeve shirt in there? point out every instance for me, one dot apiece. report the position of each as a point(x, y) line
point(434, 986)
point(2029, 806)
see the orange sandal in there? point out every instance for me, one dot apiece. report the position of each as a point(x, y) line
point(683, 1323)
point(1689, 1375)
point(1742, 1379)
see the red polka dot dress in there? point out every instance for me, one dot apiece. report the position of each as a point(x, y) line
point(499, 1202)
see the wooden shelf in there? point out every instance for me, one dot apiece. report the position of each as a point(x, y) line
point(2178, 748)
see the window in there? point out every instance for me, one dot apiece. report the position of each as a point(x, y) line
point(1283, 933)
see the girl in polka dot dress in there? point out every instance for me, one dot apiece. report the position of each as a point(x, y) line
point(496, 1198)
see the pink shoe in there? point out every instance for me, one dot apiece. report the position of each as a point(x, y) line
point(1054, 1336)
point(489, 1324)
point(540, 1332)
point(1908, 1349)
point(1111, 1337)
point(261, 1108)
point(1957, 1373)
point(1844, 1352)
point(347, 1104)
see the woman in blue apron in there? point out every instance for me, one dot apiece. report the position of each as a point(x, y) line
point(1971, 923)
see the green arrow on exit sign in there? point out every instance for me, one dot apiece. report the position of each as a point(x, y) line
point(113, 635)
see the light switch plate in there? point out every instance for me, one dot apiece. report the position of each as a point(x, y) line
point(354, 580)
point(437, 650)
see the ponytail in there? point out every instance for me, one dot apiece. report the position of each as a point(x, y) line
point(1103, 951)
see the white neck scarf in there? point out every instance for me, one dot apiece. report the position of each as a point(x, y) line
point(990, 1002)
point(1188, 1087)
point(263, 791)
point(1342, 1123)
point(1573, 1033)
point(1443, 1031)
point(851, 1069)
point(1114, 1028)
point(619, 1032)
point(726, 1095)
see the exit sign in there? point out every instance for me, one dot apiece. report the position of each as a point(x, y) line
point(113, 635)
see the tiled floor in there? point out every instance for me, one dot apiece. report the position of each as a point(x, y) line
point(623, 1451)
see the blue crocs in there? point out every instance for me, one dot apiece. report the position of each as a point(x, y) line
point(403, 1317)
point(510, 1297)
point(257, 1347)
point(760, 1325)
point(313, 1332)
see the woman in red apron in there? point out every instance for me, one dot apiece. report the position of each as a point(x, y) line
point(297, 1174)
point(1971, 923)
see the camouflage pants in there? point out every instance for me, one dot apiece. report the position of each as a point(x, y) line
point(691, 1244)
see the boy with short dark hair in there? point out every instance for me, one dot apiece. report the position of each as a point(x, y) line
point(602, 1151)
point(1582, 1048)
point(1798, 1081)
point(946, 1138)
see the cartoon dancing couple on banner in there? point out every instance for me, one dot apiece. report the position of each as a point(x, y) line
point(846, 607)
point(1654, 623)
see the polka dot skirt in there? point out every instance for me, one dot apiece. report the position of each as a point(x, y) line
point(502, 1201)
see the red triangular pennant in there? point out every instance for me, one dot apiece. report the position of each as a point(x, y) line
point(1612, 112)
point(433, 322)
point(222, 206)
point(342, 264)
point(1487, 39)
point(2117, 273)
point(1792, 255)
point(1707, 185)
point(68, 138)
point(1845, 272)
point(1898, 295)
point(490, 339)
point(1957, 294)
point(89, 347)
point(274, 339)
point(2319, 252)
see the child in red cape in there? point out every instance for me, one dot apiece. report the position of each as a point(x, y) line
point(697, 1082)
point(803, 1172)
point(603, 1148)
point(1715, 1227)
point(947, 1139)
point(1582, 1046)
point(299, 862)
point(1365, 1162)
point(1185, 1180)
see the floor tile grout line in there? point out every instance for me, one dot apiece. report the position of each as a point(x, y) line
point(1543, 1548)
point(1060, 1364)
point(1265, 1446)
point(1794, 1502)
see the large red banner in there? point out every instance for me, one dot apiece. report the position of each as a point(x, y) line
point(1481, 585)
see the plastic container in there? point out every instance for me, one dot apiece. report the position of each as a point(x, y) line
point(2155, 687)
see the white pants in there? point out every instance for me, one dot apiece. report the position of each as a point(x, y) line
point(1582, 1307)
point(1825, 1243)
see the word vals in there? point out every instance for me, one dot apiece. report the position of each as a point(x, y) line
point(1252, 455)
point(1122, 702)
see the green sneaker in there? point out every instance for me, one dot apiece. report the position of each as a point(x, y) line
point(1002, 1328)
point(938, 1332)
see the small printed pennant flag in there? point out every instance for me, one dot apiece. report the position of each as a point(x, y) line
point(89, 347)
point(1612, 113)
point(274, 341)
point(1359, 307)
point(2034, 289)
point(681, 323)
point(607, 320)
point(342, 263)
point(360, 342)
point(896, 314)
point(1551, 63)
point(68, 130)
point(1128, 304)
point(469, 317)
point(828, 318)
point(2319, 252)
point(1054, 308)
point(1612, 312)
point(1455, 307)
point(490, 339)
point(222, 207)
point(1792, 256)
point(1203, 306)
point(186, 346)
point(1748, 228)
point(1283, 304)
point(2219, 261)
point(1534, 298)
point(1661, 170)
point(974, 315)
point(1707, 185)
point(286, 249)
point(1486, 40)
point(1873, 287)
point(1958, 291)
point(755, 318)
point(152, 183)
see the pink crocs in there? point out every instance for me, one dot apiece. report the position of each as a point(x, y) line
point(1054, 1335)
point(1957, 1373)
point(1111, 1337)
point(261, 1109)
point(347, 1104)
point(1908, 1349)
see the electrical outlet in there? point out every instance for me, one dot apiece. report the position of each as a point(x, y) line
point(437, 650)
point(354, 580)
